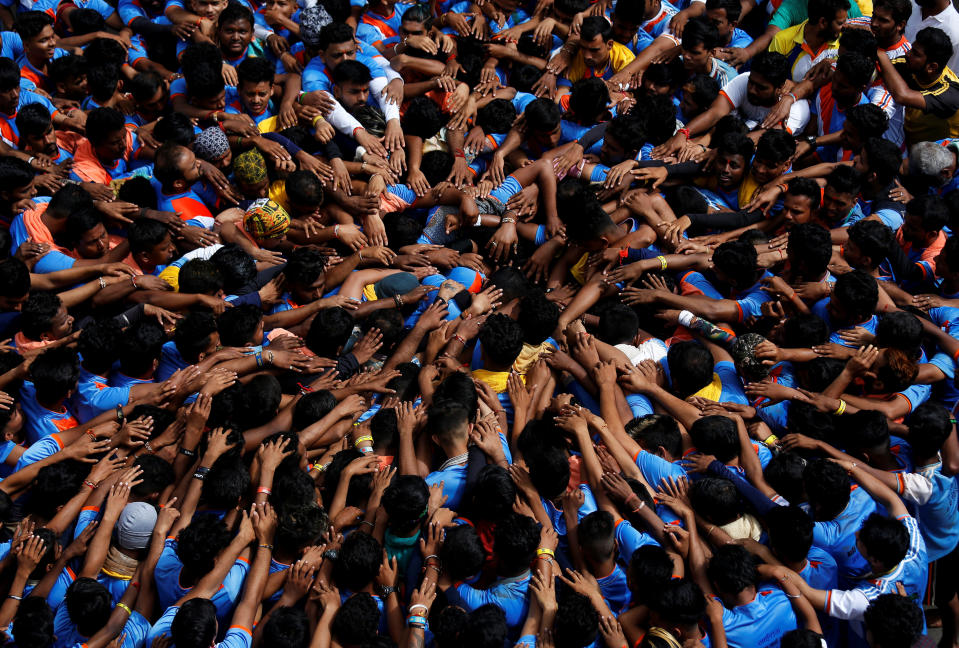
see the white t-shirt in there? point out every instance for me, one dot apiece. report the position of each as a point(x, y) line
point(735, 93)
point(947, 21)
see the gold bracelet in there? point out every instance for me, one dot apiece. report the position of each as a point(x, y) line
point(124, 606)
point(841, 409)
point(662, 262)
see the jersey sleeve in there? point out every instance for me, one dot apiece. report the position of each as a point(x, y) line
point(848, 605)
point(914, 487)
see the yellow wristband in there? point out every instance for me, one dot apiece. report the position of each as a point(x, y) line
point(362, 439)
point(662, 262)
point(316, 119)
point(545, 552)
point(124, 606)
point(841, 409)
point(771, 439)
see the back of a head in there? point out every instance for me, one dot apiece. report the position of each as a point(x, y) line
point(200, 542)
point(690, 367)
point(358, 563)
point(716, 435)
point(827, 487)
point(405, 502)
point(515, 541)
point(790, 532)
point(502, 339)
point(356, 620)
point(893, 621)
point(858, 293)
point(33, 623)
point(89, 605)
point(732, 569)
point(288, 627)
point(884, 539)
point(577, 622)
point(329, 331)
point(194, 625)
point(486, 628)
point(680, 602)
point(655, 431)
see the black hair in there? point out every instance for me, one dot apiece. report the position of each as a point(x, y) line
point(423, 118)
point(628, 131)
point(329, 331)
point(588, 100)
point(79, 223)
point(929, 426)
point(311, 408)
point(900, 330)
point(255, 69)
point(502, 339)
point(656, 430)
point(716, 499)
point(236, 266)
point(99, 345)
point(858, 293)
point(650, 568)
point(157, 473)
point(900, 10)
point(29, 24)
point(459, 388)
point(732, 569)
point(33, 623)
point(802, 637)
point(350, 71)
point(199, 276)
point(145, 234)
point(690, 367)
point(772, 66)
point(596, 535)
point(542, 115)
point(681, 602)
point(894, 621)
point(101, 122)
point(702, 33)
point(826, 9)
point(15, 173)
point(493, 494)
point(496, 117)
point(102, 81)
point(89, 605)
point(932, 210)
point(64, 68)
point(936, 45)
point(144, 85)
point(14, 278)
point(577, 622)
point(738, 261)
point(192, 334)
point(784, 473)
point(790, 532)
point(138, 191)
point(358, 563)
point(447, 420)
point(199, 543)
point(462, 552)
point(775, 146)
point(486, 627)
point(869, 119)
point(805, 331)
point(141, 347)
point(522, 77)
point(54, 373)
point(811, 244)
point(857, 69)
point(194, 625)
point(204, 80)
point(594, 26)
point(9, 74)
point(334, 33)
point(34, 119)
point(873, 238)
point(883, 159)
point(405, 503)
point(287, 627)
point(515, 540)
point(235, 12)
point(827, 487)
point(237, 325)
point(538, 317)
point(732, 7)
point(38, 312)
point(436, 166)
point(885, 539)
point(304, 266)
point(705, 89)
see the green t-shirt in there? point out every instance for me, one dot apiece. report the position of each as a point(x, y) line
point(793, 12)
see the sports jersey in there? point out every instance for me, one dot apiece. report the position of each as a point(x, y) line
point(735, 93)
point(94, 396)
point(937, 496)
point(838, 536)
point(8, 124)
point(236, 636)
point(381, 31)
point(791, 43)
point(169, 589)
point(940, 117)
point(508, 594)
point(619, 57)
point(830, 119)
point(760, 623)
point(38, 420)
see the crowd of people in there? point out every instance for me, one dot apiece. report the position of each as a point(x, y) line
point(479, 323)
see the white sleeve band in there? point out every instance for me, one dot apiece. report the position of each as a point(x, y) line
point(343, 121)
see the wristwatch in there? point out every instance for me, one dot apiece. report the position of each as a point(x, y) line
point(811, 140)
point(386, 590)
point(331, 554)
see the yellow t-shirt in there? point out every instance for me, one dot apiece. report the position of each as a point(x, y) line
point(619, 57)
point(791, 43)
